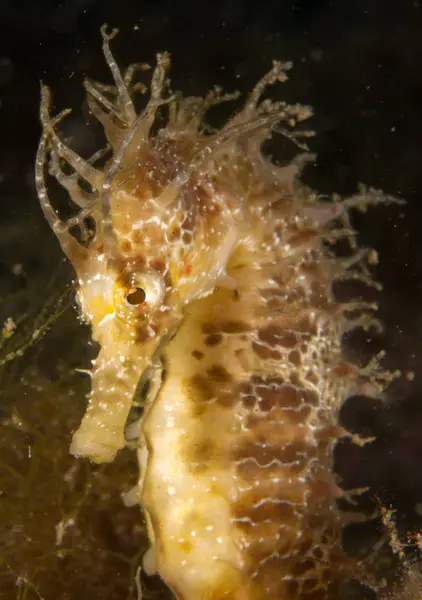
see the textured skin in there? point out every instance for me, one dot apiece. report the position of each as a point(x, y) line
point(209, 273)
point(241, 432)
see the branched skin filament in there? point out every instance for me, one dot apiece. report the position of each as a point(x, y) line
point(211, 260)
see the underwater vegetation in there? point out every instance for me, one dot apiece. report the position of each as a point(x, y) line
point(63, 526)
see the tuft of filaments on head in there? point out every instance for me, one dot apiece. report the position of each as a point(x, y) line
point(129, 133)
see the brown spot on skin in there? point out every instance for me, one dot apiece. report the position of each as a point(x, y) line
point(126, 246)
point(306, 326)
point(234, 327)
point(225, 327)
point(204, 451)
point(227, 399)
point(295, 358)
point(187, 238)
point(264, 352)
point(158, 265)
point(211, 387)
point(213, 340)
point(310, 397)
point(275, 303)
point(197, 354)
point(202, 387)
point(219, 374)
point(209, 328)
point(277, 336)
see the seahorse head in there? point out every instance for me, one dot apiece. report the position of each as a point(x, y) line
point(162, 240)
point(157, 222)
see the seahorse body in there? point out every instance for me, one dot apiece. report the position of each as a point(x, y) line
point(209, 273)
point(240, 434)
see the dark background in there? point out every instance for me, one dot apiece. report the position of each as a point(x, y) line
point(357, 62)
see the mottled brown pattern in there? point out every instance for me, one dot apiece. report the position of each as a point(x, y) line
point(275, 449)
point(286, 508)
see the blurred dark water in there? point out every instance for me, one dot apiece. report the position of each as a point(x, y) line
point(358, 63)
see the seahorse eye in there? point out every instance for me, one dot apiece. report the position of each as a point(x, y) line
point(136, 296)
point(142, 291)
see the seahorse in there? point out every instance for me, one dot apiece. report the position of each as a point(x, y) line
point(207, 274)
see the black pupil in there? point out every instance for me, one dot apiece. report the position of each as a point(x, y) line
point(136, 297)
